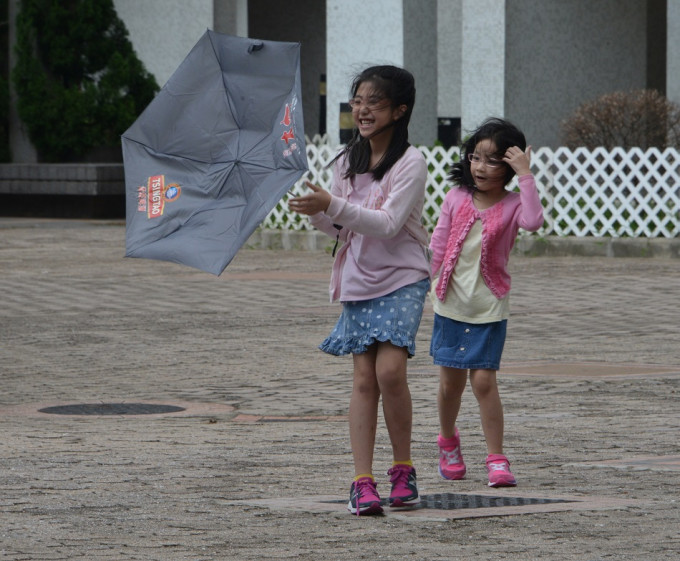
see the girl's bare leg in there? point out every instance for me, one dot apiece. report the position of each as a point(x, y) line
point(452, 383)
point(397, 406)
point(363, 411)
point(485, 388)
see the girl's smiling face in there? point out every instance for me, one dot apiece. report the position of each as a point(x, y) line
point(487, 168)
point(372, 111)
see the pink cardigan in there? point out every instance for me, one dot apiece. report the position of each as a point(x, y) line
point(500, 224)
point(386, 235)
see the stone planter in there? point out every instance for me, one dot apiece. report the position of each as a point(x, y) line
point(79, 190)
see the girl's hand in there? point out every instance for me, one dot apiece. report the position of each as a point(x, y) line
point(315, 202)
point(518, 160)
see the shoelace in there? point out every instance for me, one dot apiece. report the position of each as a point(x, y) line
point(452, 456)
point(499, 466)
point(359, 492)
point(399, 474)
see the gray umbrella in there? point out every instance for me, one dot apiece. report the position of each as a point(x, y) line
point(214, 152)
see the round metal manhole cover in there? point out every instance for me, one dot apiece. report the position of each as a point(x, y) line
point(111, 409)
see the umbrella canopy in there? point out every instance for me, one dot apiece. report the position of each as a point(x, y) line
point(214, 152)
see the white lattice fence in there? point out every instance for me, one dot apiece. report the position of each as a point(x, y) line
point(615, 193)
point(633, 193)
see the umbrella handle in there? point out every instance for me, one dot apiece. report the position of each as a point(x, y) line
point(255, 46)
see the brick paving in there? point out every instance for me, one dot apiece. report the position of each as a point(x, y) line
point(589, 381)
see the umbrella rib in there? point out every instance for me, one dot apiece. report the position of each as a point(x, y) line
point(182, 157)
point(224, 84)
point(170, 154)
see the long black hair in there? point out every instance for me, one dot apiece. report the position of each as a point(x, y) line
point(398, 86)
point(502, 133)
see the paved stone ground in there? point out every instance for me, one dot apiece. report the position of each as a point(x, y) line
point(590, 385)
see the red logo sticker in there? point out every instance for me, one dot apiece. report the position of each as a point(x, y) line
point(156, 194)
point(151, 198)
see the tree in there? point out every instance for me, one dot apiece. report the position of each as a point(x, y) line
point(79, 82)
point(638, 118)
point(4, 83)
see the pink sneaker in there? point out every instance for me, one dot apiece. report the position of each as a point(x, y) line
point(404, 486)
point(451, 464)
point(500, 475)
point(364, 498)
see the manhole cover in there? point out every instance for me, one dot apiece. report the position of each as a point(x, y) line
point(456, 501)
point(111, 409)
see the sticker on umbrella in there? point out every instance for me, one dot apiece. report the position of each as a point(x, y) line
point(214, 152)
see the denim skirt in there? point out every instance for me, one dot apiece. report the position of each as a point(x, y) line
point(457, 344)
point(394, 317)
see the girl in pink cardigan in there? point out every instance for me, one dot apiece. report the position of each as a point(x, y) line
point(470, 247)
point(380, 275)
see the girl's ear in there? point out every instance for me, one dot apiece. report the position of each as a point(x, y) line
point(399, 112)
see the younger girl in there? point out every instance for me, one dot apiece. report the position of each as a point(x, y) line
point(470, 247)
point(381, 274)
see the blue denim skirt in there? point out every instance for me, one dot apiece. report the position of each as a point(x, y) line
point(394, 317)
point(457, 344)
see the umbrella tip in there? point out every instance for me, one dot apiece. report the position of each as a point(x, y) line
point(255, 46)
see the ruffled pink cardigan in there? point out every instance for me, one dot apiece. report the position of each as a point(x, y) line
point(500, 224)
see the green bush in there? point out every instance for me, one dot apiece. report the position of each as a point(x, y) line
point(4, 83)
point(79, 82)
point(4, 121)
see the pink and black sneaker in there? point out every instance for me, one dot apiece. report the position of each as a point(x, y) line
point(451, 464)
point(500, 475)
point(404, 486)
point(364, 498)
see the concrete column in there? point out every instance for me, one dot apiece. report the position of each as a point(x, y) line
point(483, 62)
point(231, 16)
point(358, 34)
point(420, 57)
point(164, 31)
point(449, 57)
point(22, 150)
point(673, 51)
point(399, 32)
